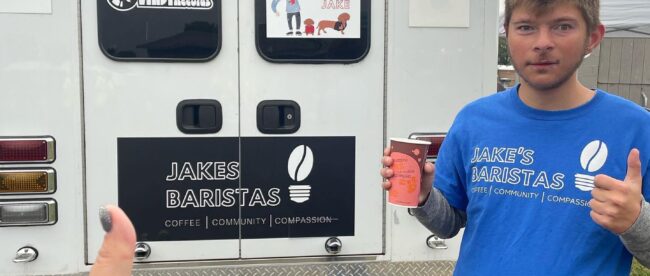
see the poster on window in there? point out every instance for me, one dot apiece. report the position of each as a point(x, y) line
point(313, 18)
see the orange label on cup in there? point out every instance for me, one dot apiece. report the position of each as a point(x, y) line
point(405, 184)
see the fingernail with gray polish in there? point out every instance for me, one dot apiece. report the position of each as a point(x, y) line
point(105, 218)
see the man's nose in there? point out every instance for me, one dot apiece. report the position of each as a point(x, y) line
point(544, 41)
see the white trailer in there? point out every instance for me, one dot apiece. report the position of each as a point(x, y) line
point(233, 149)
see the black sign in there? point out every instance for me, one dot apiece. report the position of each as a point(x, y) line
point(168, 186)
point(200, 188)
point(315, 179)
point(188, 30)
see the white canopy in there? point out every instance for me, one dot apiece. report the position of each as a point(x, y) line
point(621, 17)
point(626, 15)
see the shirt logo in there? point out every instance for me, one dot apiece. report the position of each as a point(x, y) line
point(592, 159)
point(125, 5)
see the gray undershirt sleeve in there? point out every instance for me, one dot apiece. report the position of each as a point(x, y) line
point(439, 217)
point(637, 238)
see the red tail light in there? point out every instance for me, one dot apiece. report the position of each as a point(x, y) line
point(435, 139)
point(27, 150)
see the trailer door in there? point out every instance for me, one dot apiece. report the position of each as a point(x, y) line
point(161, 123)
point(311, 102)
point(209, 129)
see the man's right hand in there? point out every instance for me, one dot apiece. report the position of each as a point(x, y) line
point(427, 176)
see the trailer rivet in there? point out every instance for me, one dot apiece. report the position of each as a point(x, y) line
point(333, 245)
point(26, 254)
point(436, 243)
point(142, 251)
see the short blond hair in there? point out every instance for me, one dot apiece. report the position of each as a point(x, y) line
point(590, 9)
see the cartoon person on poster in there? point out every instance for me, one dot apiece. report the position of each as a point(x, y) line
point(293, 10)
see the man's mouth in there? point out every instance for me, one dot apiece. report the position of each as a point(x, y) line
point(543, 63)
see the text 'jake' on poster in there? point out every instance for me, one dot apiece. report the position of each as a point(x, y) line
point(313, 18)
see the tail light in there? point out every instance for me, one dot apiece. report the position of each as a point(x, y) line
point(27, 212)
point(27, 181)
point(436, 141)
point(27, 150)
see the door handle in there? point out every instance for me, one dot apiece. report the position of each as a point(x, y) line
point(199, 116)
point(278, 117)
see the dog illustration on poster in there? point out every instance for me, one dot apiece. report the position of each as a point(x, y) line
point(339, 25)
point(309, 27)
point(312, 19)
point(293, 10)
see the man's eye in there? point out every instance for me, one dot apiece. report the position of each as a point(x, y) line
point(564, 27)
point(525, 28)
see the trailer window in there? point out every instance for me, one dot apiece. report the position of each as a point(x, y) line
point(312, 31)
point(159, 30)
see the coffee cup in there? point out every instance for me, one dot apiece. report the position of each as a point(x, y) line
point(408, 156)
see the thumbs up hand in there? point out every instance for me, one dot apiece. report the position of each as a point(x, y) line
point(115, 257)
point(616, 204)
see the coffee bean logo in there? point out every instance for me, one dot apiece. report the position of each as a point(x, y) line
point(301, 161)
point(593, 156)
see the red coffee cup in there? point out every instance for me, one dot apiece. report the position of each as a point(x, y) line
point(408, 159)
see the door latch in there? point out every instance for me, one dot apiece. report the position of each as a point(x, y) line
point(199, 116)
point(278, 117)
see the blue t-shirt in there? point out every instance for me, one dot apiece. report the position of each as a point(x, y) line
point(524, 178)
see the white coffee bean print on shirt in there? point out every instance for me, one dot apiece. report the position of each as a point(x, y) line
point(593, 156)
point(301, 161)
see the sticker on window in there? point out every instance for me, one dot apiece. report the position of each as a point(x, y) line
point(159, 30)
point(125, 5)
point(313, 18)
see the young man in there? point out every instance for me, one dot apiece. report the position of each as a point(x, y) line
point(545, 177)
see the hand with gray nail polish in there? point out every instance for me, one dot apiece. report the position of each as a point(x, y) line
point(116, 254)
point(105, 219)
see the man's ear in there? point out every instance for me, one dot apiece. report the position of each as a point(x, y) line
point(595, 37)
